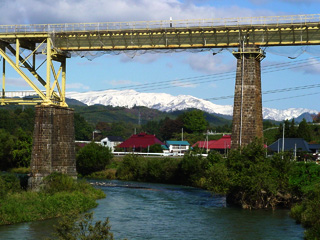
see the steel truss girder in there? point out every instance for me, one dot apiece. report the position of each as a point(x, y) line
point(20, 64)
point(193, 37)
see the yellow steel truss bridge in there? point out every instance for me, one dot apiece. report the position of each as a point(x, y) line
point(49, 45)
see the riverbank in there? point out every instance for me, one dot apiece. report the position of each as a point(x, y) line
point(61, 195)
point(158, 211)
point(248, 178)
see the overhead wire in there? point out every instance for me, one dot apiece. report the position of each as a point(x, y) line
point(190, 81)
point(224, 76)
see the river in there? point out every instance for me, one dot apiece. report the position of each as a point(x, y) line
point(158, 211)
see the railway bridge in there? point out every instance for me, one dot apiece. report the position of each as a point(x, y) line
point(39, 53)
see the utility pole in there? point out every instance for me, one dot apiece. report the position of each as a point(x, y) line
point(283, 140)
point(139, 121)
point(182, 135)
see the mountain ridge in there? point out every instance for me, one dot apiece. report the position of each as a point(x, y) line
point(169, 103)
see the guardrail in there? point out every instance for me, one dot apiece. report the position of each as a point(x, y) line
point(163, 24)
point(20, 94)
point(154, 154)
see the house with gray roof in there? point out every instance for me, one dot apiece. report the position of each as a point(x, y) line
point(290, 144)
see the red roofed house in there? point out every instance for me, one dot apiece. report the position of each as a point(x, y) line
point(139, 141)
point(220, 145)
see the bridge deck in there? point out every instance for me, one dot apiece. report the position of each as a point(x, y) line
point(206, 33)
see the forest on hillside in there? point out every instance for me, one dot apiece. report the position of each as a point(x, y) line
point(17, 123)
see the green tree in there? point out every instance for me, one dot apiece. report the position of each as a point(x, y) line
point(168, 127)
point(155, 148)
point(7, 144)
point(292, 129)
point(151, 127)
point(24, 118)
point(22, 149)
point(304, 131)
point(194, 121)
point(92, 158)
point(192, 168)
point(252, 180)
point(83, 130)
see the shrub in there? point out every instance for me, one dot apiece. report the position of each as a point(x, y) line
point(9, 183)
point(58, 182)
point(61, 194)
point(308, 211)
point(160, 170)
point(82, 227)
point(192, 168)
point(93, 158)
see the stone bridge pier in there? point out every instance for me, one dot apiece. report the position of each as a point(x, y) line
point(247, 109)
point(53, 144)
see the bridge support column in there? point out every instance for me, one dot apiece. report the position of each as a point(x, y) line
point(247, 109)
point(53, 144)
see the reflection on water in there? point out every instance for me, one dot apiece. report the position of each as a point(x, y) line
point(28, 231)
point(156, 211)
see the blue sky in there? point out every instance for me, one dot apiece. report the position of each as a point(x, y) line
point(176, 73)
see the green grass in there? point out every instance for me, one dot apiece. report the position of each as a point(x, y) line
point(61, 195)
point(20, 170)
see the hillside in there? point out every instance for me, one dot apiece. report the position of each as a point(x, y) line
point(169, 103)
point(99, 113)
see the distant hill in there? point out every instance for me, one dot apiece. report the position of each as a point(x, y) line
point(306, 116)
point(99, 113)
point(169, 103)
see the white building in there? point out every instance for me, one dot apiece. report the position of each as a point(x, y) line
point(178, 146)
point(111, 142)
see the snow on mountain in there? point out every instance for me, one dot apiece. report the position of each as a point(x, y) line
point(166, 102)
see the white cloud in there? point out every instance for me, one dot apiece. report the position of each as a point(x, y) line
point(177, 83)
point(312, 67)
point(209, 64)
point(66, 11)
point(139, 56)
point(77, 86)
point(17, 82)
point(121, 82)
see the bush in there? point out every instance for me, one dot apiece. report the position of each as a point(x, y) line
point(160, 170)
point(93, 158)
point(61, 194)
point(82, 227)
point(253, 180)
point(58, 182)
point(308, 211)
point(192, 168)
point(217, 174)
point(7, 146)
point(9, 183)
point(303, 176)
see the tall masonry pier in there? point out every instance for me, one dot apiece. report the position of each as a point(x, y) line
point(53, 144)
point(247, 109)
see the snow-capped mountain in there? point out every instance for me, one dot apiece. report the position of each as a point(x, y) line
point(166, 102)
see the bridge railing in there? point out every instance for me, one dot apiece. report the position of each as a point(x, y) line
point(164, 24)
point(20, 94)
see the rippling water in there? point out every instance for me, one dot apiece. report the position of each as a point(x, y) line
point(155, 211)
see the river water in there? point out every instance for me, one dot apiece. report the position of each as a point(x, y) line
point(157, 211)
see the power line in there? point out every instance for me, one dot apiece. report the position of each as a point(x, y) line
point(188, 81)
point(271, 91)
point(303, 95)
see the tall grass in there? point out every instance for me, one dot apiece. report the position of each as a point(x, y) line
point(61, 195)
